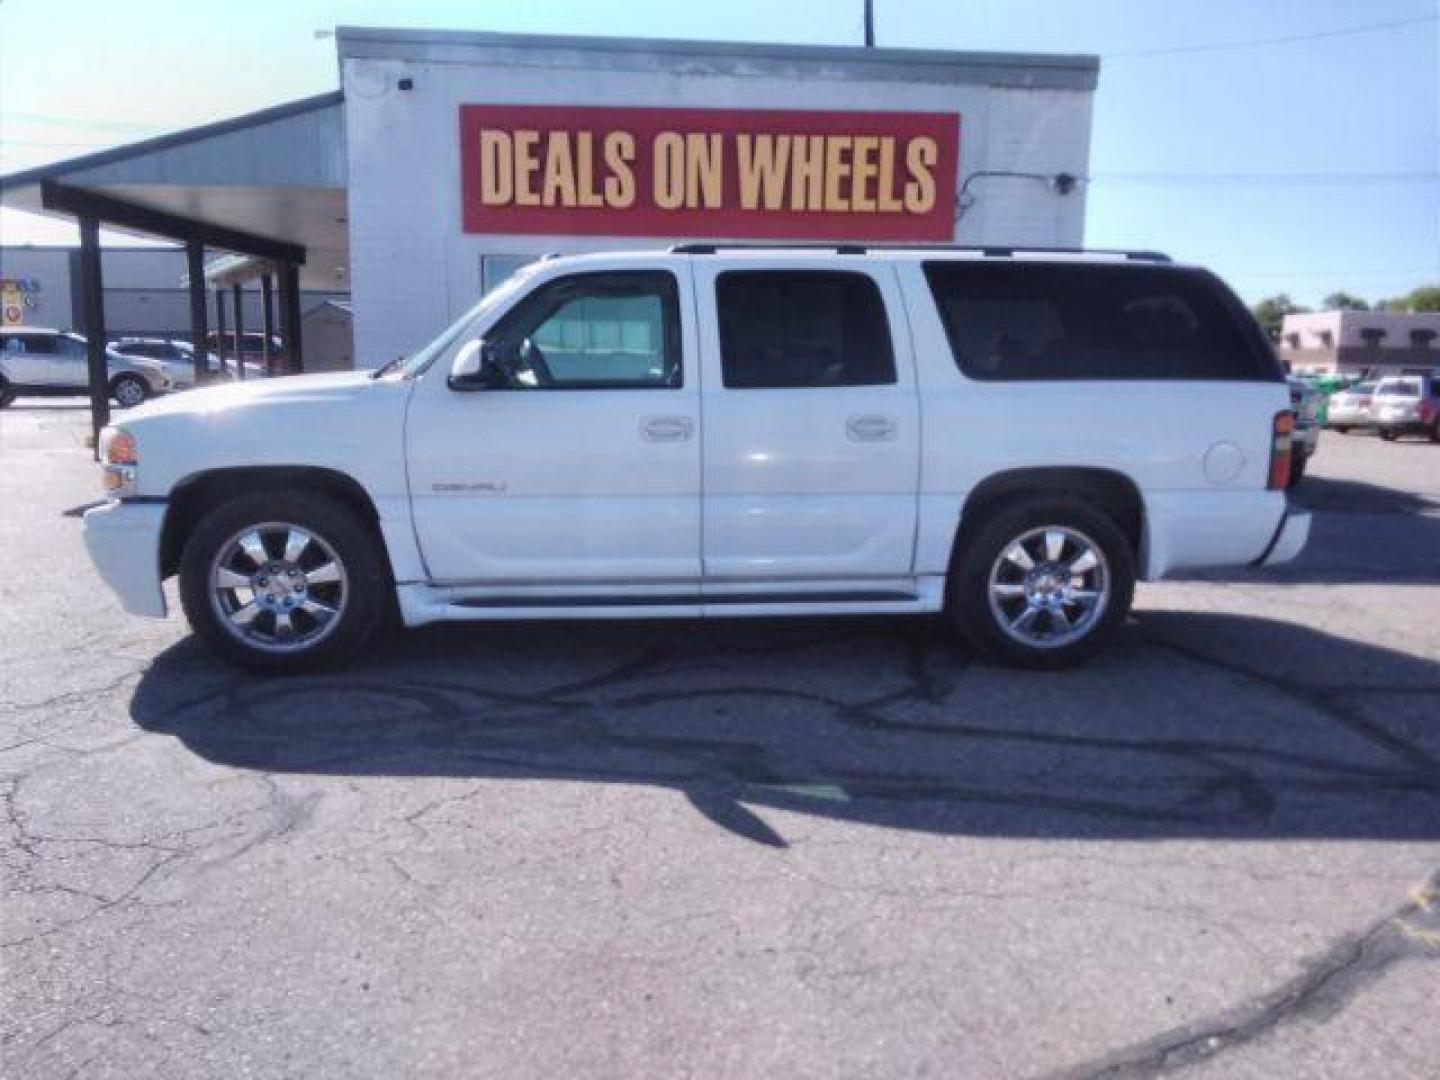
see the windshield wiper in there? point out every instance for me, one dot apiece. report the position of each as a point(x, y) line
point(385, 367)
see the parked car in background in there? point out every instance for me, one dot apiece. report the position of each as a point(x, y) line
point(713, 431)
point(51, 363)
point(1408, 405)
point(175, 356)
point(251, 347)
point(1350, 409)
point(1305, 402)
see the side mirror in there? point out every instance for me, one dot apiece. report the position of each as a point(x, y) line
point(476, 368)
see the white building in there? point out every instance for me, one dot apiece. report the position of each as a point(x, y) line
point(446, 159)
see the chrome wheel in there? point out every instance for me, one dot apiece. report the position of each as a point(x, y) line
point(278, 587)
point(129, 391)
point(1049, 586)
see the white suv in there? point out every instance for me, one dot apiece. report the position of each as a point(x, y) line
point(49, 363)
point(1012, 438)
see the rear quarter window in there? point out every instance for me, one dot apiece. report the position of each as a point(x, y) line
point(1040, 321)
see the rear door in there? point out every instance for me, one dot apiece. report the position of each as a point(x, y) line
point(811, 425)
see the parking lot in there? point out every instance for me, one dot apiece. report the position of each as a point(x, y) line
point(829, 848)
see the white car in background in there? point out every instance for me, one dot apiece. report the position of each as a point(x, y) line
point(49, 363)
point(728, 431)
point(177, 357)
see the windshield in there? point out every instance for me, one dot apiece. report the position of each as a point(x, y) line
point(496, 298)
point(1399, 388)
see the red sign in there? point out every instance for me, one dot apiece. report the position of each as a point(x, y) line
point(733, 173)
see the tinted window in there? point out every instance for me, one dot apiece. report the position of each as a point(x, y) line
point(32, 343)
point(612, 330)
point(792, 328)
point(1045, 321)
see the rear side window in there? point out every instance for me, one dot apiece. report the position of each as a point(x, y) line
point(1028, 321)
point(802, 328)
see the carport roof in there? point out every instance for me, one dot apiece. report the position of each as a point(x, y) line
point(273, 177)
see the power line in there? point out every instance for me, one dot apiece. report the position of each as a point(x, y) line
point(1367, 28)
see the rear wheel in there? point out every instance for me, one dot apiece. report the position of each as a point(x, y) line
point(129, 390)
point(1042, 583)
point(286, 582)
point(7, 393)
point(1297, 471)
point(1343, 429)
point(1387, 435)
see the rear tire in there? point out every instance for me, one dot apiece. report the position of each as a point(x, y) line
point(129, 390)
point(1343, 429)
point(7, 393)
point(267, 611)
point(1297, 471)
point(1065, 605)
point(1388, 436)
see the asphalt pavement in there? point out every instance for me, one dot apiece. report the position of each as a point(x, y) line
point(801, 848)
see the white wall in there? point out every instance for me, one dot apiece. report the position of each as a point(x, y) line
point(414, 269)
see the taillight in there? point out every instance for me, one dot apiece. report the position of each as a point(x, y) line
point(1281, 429)
point(1428, 409)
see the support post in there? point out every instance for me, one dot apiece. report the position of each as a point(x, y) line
point(290, 313)
point(239, 331)
point(267, 320)
point(199, 317)
point(92, 286)
point(220, 337)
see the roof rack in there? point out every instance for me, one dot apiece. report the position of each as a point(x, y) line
point(998, 252)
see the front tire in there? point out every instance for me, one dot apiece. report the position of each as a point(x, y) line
point(1297, 471)
point(7, 393)
point(129, 390)
point(1042, 583)
point(289, 582)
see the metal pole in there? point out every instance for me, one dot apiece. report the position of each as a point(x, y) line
point(239, 331)
point(220, 326)
point(290, 313)
point(92, 286)
point(267, 318)
point(869, 24)
point(199, 331)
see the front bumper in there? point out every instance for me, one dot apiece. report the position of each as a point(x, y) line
point(123, 539)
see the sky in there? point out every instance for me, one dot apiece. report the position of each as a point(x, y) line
point(1291, 145)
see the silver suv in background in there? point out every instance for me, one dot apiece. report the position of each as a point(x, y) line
point(49, 363)
point(1407, 405)
point(175, 356)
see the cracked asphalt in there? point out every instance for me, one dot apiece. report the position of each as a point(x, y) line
point(838, 848)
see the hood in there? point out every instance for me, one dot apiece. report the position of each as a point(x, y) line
point(320, 389)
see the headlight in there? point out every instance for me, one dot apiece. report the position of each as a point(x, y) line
point(119, 460)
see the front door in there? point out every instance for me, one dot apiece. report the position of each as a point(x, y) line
point(582, 466)
point(811, 426)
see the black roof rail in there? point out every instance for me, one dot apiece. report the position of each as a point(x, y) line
point(861, 249)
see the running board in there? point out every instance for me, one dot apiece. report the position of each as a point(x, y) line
point(421, 604)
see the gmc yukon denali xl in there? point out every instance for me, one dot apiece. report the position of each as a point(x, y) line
point(1009, 437)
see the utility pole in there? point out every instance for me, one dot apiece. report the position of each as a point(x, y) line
point(869, 24)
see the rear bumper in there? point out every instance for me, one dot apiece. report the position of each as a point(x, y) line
point(1289, 539)
point(123, 539)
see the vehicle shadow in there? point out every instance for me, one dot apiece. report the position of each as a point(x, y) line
point(1360, 532)
point(1193, 725)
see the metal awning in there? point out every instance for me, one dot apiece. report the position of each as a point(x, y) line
point(268, 188)
point(271, 184)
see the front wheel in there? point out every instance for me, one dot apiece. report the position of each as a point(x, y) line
point(1042, 583)
point(287, 582)
point(1297, 471)
point(1387, 435)
point(7, 393)
point(129, 390)
point(1342, 429)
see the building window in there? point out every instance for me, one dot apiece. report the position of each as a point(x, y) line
point(1423, 337)
point(1372, 336)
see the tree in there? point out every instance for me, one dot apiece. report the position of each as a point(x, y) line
point(1343, 301)
point(1270, 313)
point(1424, 298)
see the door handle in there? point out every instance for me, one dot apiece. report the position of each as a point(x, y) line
point(870, 428)
point(667, 428)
